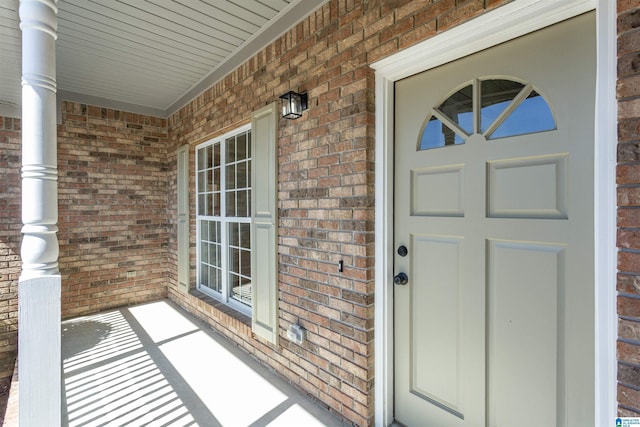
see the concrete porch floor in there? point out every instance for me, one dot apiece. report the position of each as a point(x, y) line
point(157, 365)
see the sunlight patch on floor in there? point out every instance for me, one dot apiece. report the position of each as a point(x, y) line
point(230, 389)
point(296, 416)
point(151, 365)
point(161, 321)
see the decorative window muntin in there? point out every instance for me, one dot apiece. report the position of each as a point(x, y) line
point(493, 107)
point(223, 206)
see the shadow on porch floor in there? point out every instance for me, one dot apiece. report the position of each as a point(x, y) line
point(155, 364)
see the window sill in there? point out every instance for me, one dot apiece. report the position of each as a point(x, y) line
point(223, 309)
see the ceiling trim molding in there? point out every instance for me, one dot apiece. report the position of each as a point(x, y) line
point(282, 23)
point(64, 95)
point(10, 111)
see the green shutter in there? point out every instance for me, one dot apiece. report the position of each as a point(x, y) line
point(183, 218)
point(264, 225)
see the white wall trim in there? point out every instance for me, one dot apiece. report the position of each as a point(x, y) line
point(515, 19)
point(383, 316)
point(605, 218)
point(10, 110)
point(65, 95)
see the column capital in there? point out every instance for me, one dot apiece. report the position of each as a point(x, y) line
point(39, 15)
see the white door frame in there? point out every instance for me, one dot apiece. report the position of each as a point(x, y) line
point(497, 26)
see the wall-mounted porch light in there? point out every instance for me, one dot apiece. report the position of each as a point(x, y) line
point(293, 104)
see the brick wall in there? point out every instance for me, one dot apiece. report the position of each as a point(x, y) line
point(628, 179)
point(112, 215)
point(325, 183)
point(10, 225)
point(112, 208)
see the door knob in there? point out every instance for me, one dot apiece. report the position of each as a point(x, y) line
point(400, 279)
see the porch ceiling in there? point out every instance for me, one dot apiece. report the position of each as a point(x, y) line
point(146, 56)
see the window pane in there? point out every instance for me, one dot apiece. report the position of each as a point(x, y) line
point(209, 261)
point(242, 291)
point(204, 275)
point(201, 205)
point(209, 157)
point(242, 203)
point(245, 230)
point(209, 204)
point(532, 115)
point(216, 179)
point(459, 108)
point(209, 177)
point(216, 154)
point(240, 262)
point(234, 282)
point(202, 158)
point(234, 260)
point(202, 182)
point(213, 231)
point(241, 147)
point(216, 283)
point(216, 204)
point(231, 177)
point(436, 134)
point(231, 203)
point(241, 175)
point(204, 252)
point(496, 95)
point(248, 144)
point(230, 145)
point(204, 230)
point(234, 234)
point(213, 257)
point(245, 263)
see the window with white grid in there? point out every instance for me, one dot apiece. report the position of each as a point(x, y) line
point(223, 184)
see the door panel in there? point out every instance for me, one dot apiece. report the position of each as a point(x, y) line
point(525, 292)
point(528, 187)
point(498, 221)
point(437, 191)
point(439, 267)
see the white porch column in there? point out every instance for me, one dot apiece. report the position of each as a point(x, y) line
point(39, 357)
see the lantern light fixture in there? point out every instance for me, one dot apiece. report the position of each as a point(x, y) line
point(293, 104)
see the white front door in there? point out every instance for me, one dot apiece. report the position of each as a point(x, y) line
point(494, 206)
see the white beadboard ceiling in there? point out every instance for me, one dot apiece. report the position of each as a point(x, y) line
point(146, 56)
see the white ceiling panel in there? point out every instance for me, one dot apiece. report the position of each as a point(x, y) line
point(150, 56)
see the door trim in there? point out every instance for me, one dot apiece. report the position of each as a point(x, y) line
point(497, 26)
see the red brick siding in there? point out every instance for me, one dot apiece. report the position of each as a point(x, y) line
point(325, 185)
point(628, 180)
point(112, 208)
point(10, 225)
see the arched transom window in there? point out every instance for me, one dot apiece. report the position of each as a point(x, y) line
point(493, 108)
